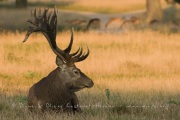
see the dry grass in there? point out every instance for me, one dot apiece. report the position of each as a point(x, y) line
point(140, 69)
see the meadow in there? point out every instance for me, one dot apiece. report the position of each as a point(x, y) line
point(136, 74)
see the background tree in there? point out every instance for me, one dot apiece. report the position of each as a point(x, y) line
point(176, 6)
point(21, 3)
point(173, 1)
point(154, 10)
point(177, 1)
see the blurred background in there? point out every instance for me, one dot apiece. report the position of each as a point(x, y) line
point(100, 15)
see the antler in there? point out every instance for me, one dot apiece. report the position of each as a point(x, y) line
point(46, 23)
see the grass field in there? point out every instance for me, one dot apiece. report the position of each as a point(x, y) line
point(136, 74)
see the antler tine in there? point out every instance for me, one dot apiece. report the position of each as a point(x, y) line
point(79, 54)
point(73, 54)
point(53, 21)
point(31, 21)
point(83, 57)
point(45, 14)
point(49, 16)
point(55, 9)
point(68, 49)
point(35, 16)
point(31, 13)
point(39, 13)
point(28, 33)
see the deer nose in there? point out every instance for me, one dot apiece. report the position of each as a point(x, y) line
point(90, 84)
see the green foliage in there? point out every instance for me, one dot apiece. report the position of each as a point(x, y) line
point(107, 92)
point(31, 75)
point(174, 102)
point(22, 99)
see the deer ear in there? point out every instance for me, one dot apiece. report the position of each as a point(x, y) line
point(59, 62)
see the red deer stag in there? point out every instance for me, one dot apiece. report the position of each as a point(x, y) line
point(76, 22)
point(93, 23)
point(57, 90)
point(130, 23)
point(115, 22)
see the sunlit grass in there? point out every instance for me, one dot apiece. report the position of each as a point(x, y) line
point(139, 68)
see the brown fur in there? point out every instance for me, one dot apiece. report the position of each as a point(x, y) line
point(94, 23)
point(114, 20)
point(133, 21)
point(76, 22)
point(55, 90)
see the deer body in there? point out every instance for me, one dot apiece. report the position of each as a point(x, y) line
point(94, 23)
point(115, 21)
point(132, 22)
point(57, 90)
point(53, 92)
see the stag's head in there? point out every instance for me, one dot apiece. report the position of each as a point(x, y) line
point(73, 78)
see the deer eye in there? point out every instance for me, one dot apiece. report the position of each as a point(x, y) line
point(76, 72)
